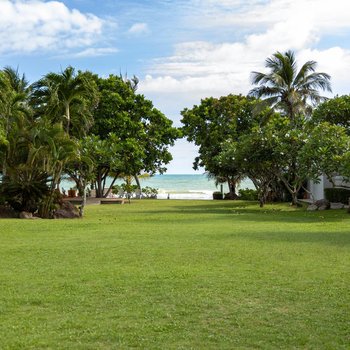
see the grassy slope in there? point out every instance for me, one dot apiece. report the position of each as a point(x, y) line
point(177, 275)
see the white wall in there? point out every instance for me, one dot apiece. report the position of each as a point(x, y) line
point(317, 189)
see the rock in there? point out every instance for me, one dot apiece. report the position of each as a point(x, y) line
point(323, 204)
point(66, 211)
point(337, 205)
point(25, 215)
point(323, 207)
point(312, 207)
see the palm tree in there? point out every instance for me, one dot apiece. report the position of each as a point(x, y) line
point(65, 97)
point(18, 83)
point(14, 109)
point(49, 149)
point(232, 181)
point(293, 93)
point(288, 90)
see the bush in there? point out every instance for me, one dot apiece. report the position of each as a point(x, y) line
point(217, 195)
point(248, 194)
point(150, 192)
point(340, 195)
point(24, 189)
point(117, 189)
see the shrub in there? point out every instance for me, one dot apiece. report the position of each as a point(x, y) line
point(340, 195)
point(127, 190)
point(117, 189)
point(217, 195)
point(25, 189)
point(248, 194)
point(150, 192)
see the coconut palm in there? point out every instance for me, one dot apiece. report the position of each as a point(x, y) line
point(14, 95)
point(65, 97)
point(14, 110)
point(19, 83)
point(290, 91)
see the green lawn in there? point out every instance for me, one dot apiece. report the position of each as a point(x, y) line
point(172, 274)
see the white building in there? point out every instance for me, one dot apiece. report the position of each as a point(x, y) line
point(317, 189)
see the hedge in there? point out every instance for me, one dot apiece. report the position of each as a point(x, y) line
point(217, 195)
point(248, 194)
point(337, 195)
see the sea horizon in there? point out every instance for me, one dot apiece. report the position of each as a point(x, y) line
point(179, 186)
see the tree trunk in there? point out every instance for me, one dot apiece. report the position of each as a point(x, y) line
point(99, 190)
point(232, 188)
point(138, 185)
point(110, 187)
point(4, 168)
point(82, 207)
point(68, 117)
point(294, 198)
point(261, 202)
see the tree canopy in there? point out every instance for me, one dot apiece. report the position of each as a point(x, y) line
point(77, 124)
point(213, 123)
point(128, 124)
point(334, 111)
point(278, 149)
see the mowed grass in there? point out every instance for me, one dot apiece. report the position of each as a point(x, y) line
point(177, 275)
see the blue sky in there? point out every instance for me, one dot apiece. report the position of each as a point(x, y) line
point(182, 51)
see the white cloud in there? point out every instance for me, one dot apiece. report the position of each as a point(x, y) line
point(336, 62)
point(138, 28)
point(29, 26)
point(95, 52)
point(323, 14)
point(201, 69)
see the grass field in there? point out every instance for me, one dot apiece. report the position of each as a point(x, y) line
point(177, 275)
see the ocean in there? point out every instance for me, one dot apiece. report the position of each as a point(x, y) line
point(186, 186)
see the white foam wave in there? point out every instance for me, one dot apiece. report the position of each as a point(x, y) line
point(187, 195)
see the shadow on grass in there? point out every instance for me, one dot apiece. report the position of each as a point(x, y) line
point(223, 220)
point(250, 211)
point(341, 238)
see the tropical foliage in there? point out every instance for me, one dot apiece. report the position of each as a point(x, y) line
point(334, 111)
point(215, 122)
point(288, 90)
point(79, 125)
point(280, 148)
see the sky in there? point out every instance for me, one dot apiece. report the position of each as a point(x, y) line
point(182, 51)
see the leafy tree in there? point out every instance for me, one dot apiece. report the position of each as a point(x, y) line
point(276, 152)
point(345, 167)
point(214, 122)
point(288, 90)
point(287, 146)
point(254, 156)
point(43, 130)
point(133, 135)
point(334, 111)
point(294, 94)
point(111, 158)
point(326, 145)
